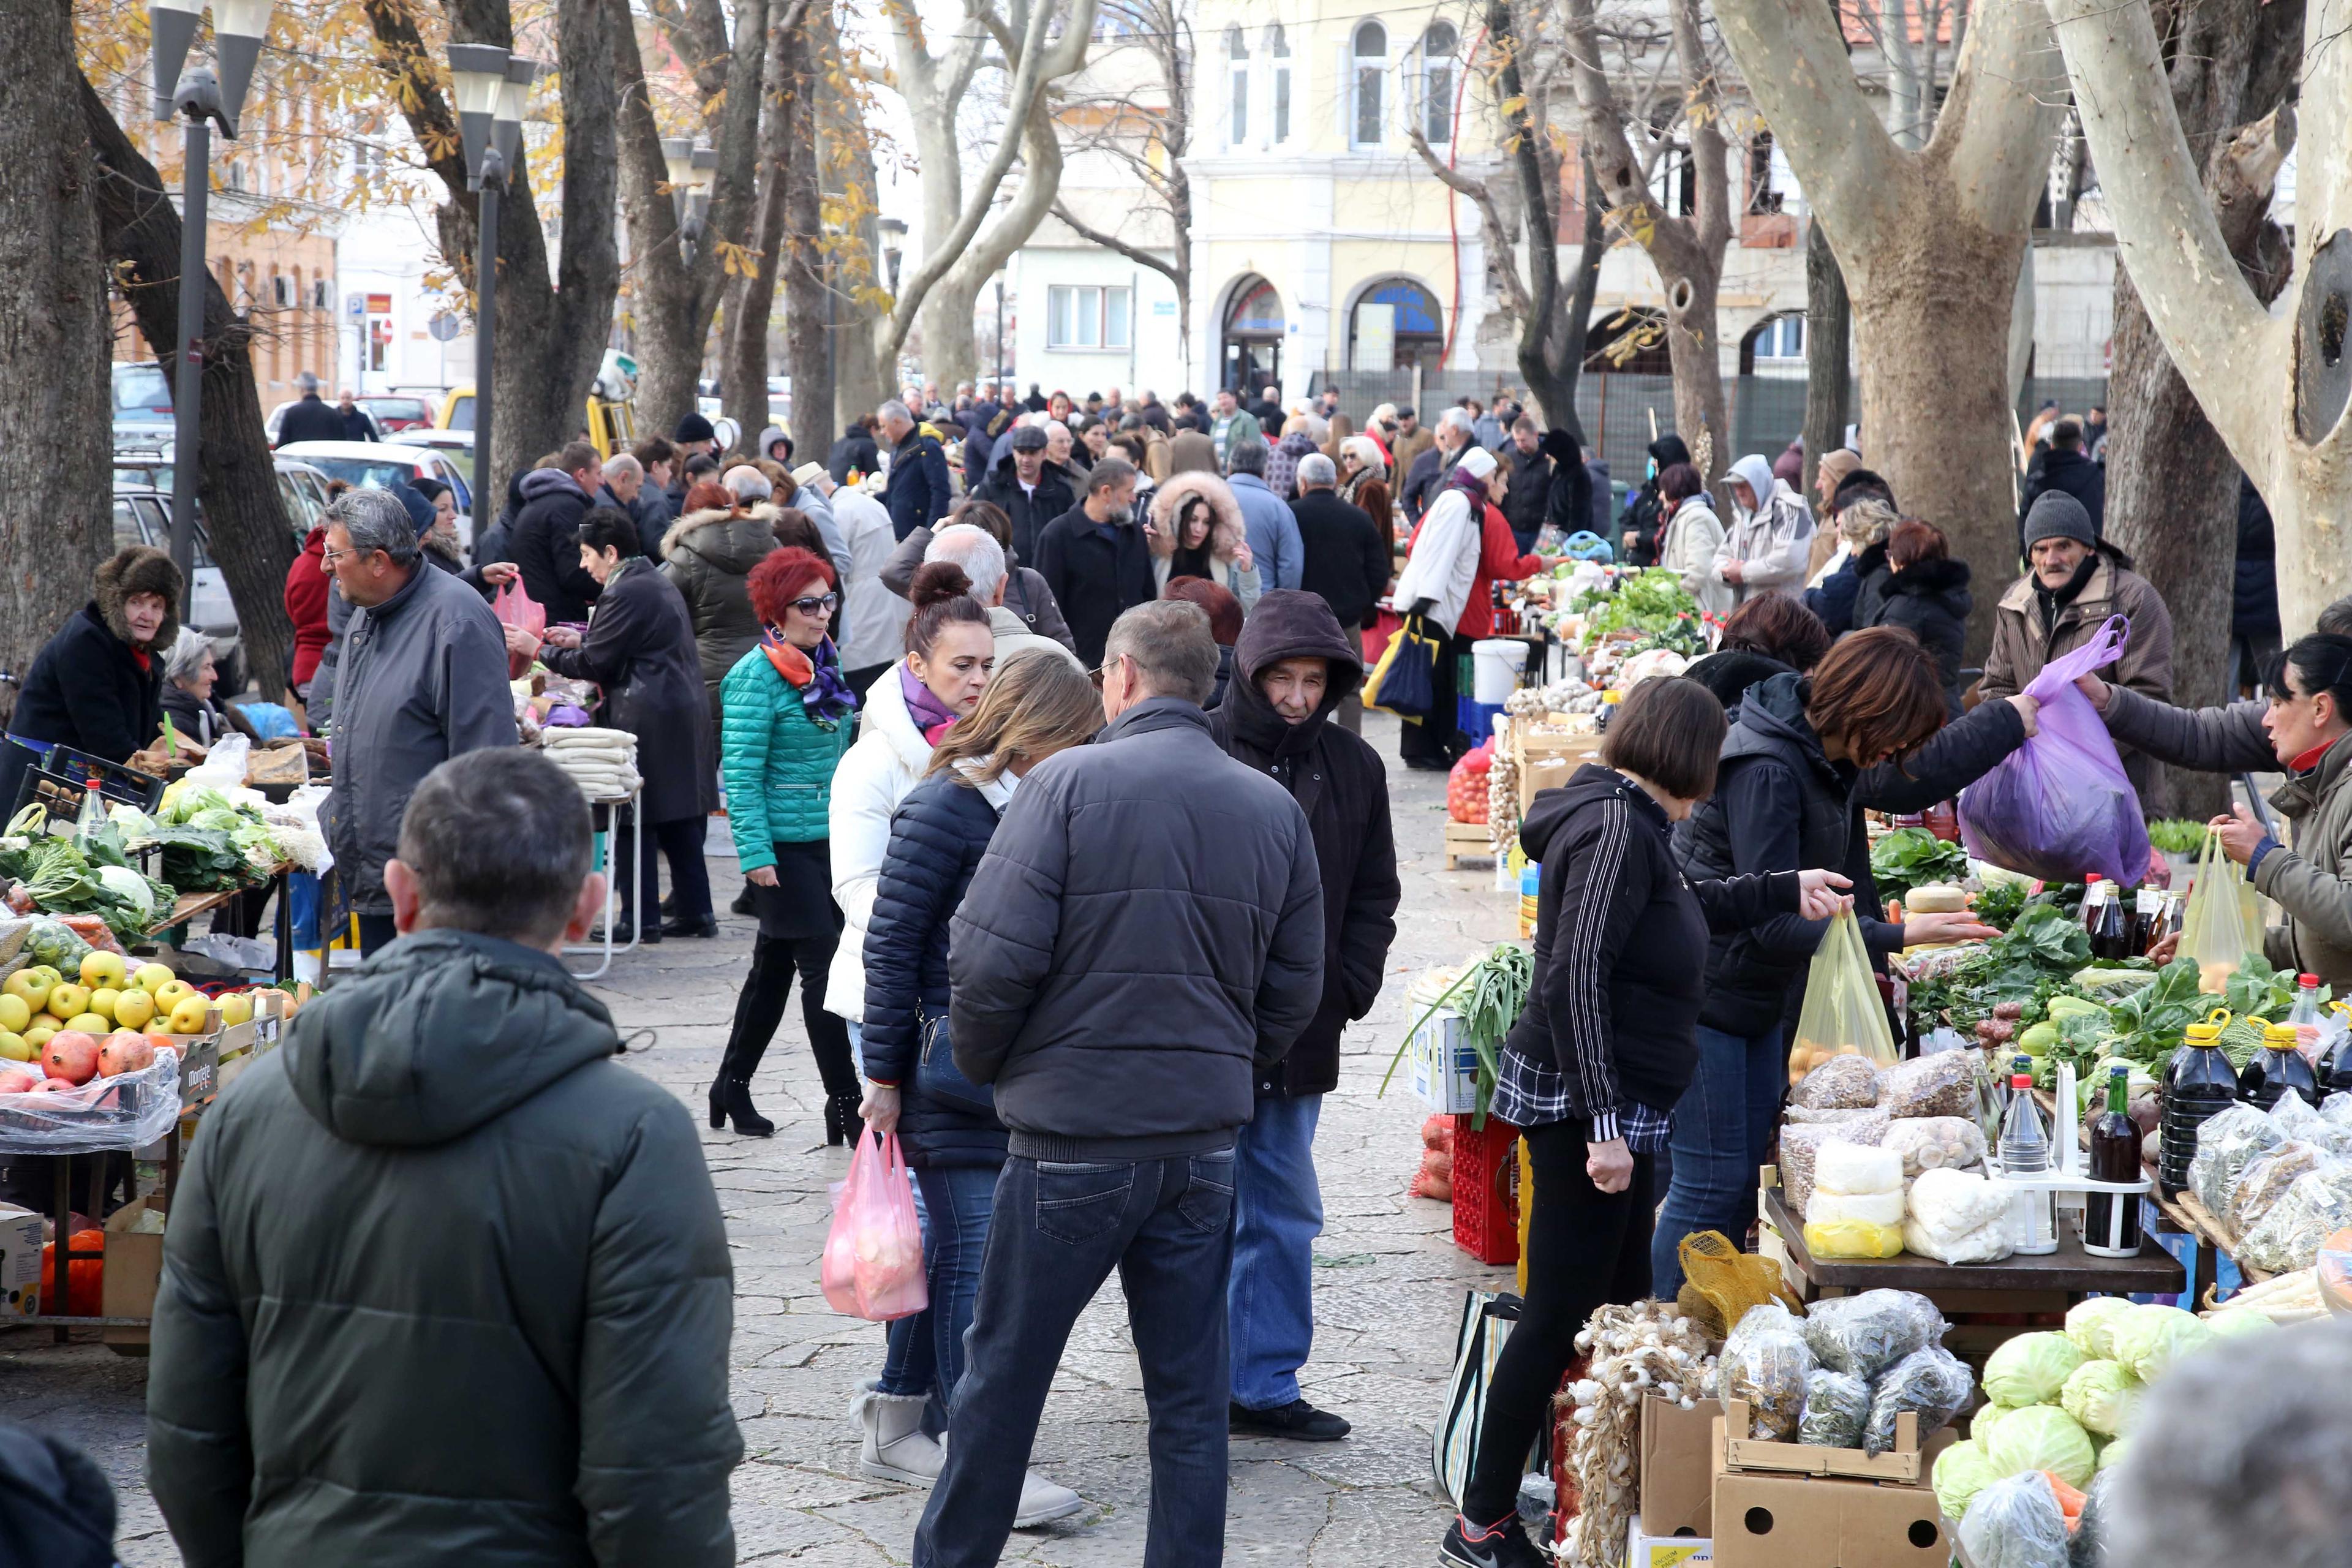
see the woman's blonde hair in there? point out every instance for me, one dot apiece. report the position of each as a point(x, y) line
point(1037, 703)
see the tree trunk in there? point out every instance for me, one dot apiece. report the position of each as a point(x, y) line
point(1934, 402)
point(252, 538)
point(751, 295)
point(1699, 416)
point(809, 298)
point(58, 524)
point(848, 153)
point(1828, 339)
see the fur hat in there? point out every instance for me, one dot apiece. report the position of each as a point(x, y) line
point(138, 569)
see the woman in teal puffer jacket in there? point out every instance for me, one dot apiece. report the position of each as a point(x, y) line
point(786, 711)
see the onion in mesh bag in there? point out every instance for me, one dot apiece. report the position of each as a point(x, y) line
point(1933, 1382)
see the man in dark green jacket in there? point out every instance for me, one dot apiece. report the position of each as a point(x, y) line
point(443, 1283)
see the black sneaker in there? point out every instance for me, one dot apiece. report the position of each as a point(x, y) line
point(1505, 1546)
point(1299, 1421)
point(742, 904)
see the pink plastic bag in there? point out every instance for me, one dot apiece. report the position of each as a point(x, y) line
point(874, 1254)
point(2060, 804)
point(514, 607)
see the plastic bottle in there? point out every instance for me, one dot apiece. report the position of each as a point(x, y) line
point(92, 818)
point(2197, 1082)
point(2335, 1048)
point(2304, 1014)
point(2278, 1068)
point(2104, 919)
point(2026, 1152)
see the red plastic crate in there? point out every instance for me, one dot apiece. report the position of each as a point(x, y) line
point(1485, 1191)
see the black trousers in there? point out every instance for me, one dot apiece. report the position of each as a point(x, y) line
point(761, 1007)
point(375, 931)
point(1586, 1249)
point(1438, 738)
point(689, 878)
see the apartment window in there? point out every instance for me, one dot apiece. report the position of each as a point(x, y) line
point(1370, 74)
point(1237, 88)
point(1084, 317)
point(1783, 337)
point(1437, 82)
point(1278, 49)
point(322, 293)
point(282, 291)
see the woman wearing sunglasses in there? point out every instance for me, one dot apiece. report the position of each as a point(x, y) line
point(788, 723)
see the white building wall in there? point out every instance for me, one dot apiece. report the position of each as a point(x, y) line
point(387, 253)
point(1154, 354)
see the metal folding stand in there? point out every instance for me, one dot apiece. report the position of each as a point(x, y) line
point(605, 815)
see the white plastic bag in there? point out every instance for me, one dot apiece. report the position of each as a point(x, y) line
point(128, 1111)
point(1863, 1208)
point(1853, 1169)
point(1956, 1216)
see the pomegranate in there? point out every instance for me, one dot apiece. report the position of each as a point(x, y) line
point(70, 1055)
point(124, 1053)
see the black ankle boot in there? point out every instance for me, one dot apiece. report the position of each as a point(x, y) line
point(730, 1100)
point(842, 1123)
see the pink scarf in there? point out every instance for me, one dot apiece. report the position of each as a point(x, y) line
point(931, 716)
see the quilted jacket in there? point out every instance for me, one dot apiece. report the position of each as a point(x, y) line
point(778, 763)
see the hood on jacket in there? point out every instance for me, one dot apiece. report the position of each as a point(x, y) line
point(1591, 783)
point(1225, 532)
point(1928, 579)
point(1729, 672)
point(438, 1034)
point(733, 542)
point(315, 542)
point(1774, 706)
point(1668, 450)
point(1290, 623)
point(769, 435)
point(138, 569)
point(1758, 473)
point(547, 481)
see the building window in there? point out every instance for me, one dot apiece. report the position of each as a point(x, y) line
point(281, 291)
point(1084, 317)
point(1278, 47)
point(322, 293)
point(1437, 79)
point(1782, 337)
point(1237, 88)
point(1371, 73)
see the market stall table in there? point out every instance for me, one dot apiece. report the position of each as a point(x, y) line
point(606, 817)
point(192, 904)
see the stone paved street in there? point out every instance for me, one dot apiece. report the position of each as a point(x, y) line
point(1389, 1286)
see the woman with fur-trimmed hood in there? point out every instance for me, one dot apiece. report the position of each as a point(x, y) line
point(708, 553)
point(98, 687)
point(1196, 531)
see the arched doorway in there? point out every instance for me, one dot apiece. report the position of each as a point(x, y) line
point(1397, 324)
point(1250, 355)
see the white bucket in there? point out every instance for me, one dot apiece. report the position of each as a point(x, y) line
point(1495, 666)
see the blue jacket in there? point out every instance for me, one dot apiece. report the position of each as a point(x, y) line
point(1273, 530)
point(937, 838)
point(917, 492)
point(777, 761)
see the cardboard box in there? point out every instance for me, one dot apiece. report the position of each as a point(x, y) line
point(1678, 1466)
point(1546, 758)
point(1645, 1551)
point(20, 1261)
point(1767, 1520)
point(135, 1268)
point(1442, 1064)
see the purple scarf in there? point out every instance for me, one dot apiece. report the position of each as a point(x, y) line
point(931, 716)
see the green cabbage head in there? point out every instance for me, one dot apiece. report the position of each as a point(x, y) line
point(2031, 1369)
point(2102, 1396)
point(2042, 1437)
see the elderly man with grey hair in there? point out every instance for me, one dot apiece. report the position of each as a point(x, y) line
point(917, 491)
point(975, 550)
point(308, 418)
point(1349, 558)
point(422, 678)
point(1272, 531)
point(747, 484)
point(1143, 937)
point(1455, 430)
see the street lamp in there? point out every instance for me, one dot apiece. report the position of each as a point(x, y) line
point(691, 166)
point(490, 85)
point(894, 245)
point(199, 98)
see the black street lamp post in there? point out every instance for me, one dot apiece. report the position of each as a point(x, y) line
point(491, 85)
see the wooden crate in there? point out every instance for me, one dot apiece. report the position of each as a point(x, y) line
point(1900, 1464)
point(1467, 841)
point(1546, 758)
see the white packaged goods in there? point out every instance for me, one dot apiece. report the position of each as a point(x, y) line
point(1867, 1208)
point(1956, 1217)
point(1855, 1168)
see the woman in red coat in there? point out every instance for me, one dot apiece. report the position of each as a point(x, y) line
point(307, 586)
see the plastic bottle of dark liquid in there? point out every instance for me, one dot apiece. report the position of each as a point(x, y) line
point(2197, 1082)
point(2111, 1220)
point(2278, 1068)
point(2110, 928)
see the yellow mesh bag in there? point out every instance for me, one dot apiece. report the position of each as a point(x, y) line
point(1720, 1282)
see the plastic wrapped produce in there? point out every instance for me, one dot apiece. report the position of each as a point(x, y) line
point(1854, 1168)
point(1882, 1209)
point(1957, 1216)
point(1961, 1472)
point(2090, 1324)
point(2288, 1237)
point(2016, 1523)
point(1944, 1084)
point(1841, 1083)
point(128, 1111)
point(1933, 1382)
point(2265, 1180)
point(1837, 1409)
point(1935, 1144)
point(1800, 1146)
point(2031, 1369)
point(2226, 1142)
point(1833, 1116)
point(1768, 1369)
point(1866, 1334)
point(2088, 1548)
point(1851, 1237)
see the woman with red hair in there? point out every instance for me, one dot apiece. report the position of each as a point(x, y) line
point(788, 714)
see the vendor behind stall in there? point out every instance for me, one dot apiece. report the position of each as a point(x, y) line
point(98, 687)
point(189, 678)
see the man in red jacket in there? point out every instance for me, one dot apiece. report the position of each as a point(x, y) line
point(307, 584)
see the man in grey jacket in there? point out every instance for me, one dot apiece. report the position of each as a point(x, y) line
point(1143, 938)
point(446, 1283)
point(422, 678)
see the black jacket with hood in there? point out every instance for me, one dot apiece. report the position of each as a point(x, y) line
point(1930, 599)
point(1341, 784)
point(1644, 509)
point(494, 1329)
point(1141, 943)
point(86, 688)
point(1619, 934)
point(1094, 578)
point(1029, 510)
point(545, 545)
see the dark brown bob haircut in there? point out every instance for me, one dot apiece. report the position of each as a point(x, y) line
point(1669, 730)
point(1778, 626)
point(1879, 691)
point(1915, 541)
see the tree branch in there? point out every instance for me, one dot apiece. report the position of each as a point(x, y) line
point(2004, 107)
point(1136, 254)
point(1490, 218)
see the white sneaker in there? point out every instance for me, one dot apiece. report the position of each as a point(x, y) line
point(896, 1447)
point(1042, 1502)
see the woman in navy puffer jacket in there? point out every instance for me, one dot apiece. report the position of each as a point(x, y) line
point(1037, 703)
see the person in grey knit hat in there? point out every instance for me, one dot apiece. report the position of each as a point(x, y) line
point(2072, 585)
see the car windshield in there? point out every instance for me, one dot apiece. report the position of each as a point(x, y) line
point(141, 388)
point(363, 473)
point(396, 407)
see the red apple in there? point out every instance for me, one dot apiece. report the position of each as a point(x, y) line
point(55, 1086)
point(70, 1055)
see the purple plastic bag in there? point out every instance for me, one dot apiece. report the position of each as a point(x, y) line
point(2061, 806)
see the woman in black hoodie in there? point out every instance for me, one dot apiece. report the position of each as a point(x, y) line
point(1602, 1051)
point(1926, 594)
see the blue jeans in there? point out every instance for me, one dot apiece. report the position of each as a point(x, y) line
point(1722, 1127)
point(1166, 1225)
point(1277, 1214)
point(960, 1200)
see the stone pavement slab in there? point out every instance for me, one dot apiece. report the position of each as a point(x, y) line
point(1388, 1292)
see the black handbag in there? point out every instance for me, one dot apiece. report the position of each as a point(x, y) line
point(936, 1072)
